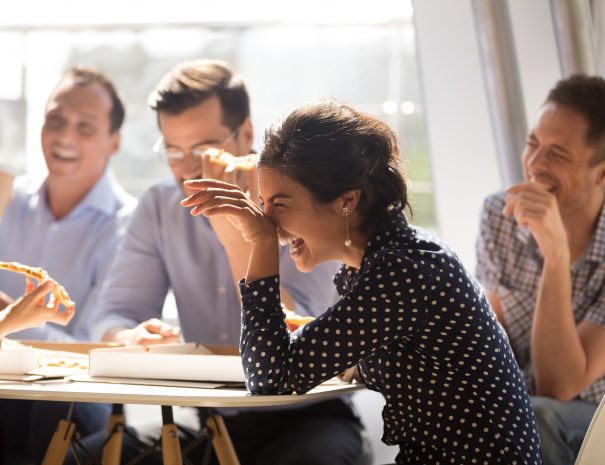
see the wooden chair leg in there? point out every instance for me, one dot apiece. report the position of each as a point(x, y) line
point(221, 441)
point(171, 448)
point(112, 452)
point(59, 444)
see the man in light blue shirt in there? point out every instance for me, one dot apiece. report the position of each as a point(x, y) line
point(166, 248)
point(76, 250)
point(71, 225)
point(203, 104)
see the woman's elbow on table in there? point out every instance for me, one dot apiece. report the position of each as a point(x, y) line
point(265, 384)
point(260, 386)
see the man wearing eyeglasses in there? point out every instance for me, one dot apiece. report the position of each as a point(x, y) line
point(199, 105)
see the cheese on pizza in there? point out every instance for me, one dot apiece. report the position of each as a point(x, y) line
point(295, 321)
point(233, 162)
point(52, 358)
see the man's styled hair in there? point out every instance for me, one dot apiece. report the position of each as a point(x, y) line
point(586, 95)
point(83, 76)
point(193, 82)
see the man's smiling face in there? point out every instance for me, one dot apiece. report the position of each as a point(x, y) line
point(557, 156)
point(198, 127)
point(76, 137)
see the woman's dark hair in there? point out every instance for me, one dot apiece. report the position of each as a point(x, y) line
point(331, 148)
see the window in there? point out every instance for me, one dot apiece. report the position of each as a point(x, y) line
point(366, 61)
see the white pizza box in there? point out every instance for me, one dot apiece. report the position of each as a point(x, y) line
point(17, 360)
point(189, 362)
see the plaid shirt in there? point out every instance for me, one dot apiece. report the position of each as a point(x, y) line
point(509, 263)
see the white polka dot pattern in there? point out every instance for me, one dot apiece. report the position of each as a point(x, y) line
point(422, 334)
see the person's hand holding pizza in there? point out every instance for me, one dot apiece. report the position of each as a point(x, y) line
point(59, 294)
point(30, 310)
point(224, 166)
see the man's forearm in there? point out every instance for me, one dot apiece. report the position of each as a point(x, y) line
point(5, 300)
point(558, 358)
point(5, 326)
point(238, 264)
point(114, 334)
point(236, 248)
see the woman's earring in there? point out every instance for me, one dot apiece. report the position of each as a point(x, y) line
point(348, 242)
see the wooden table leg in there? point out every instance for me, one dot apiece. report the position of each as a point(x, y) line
point(171, 449)
point(112, 452)
point(221, 441)
point(59, 444)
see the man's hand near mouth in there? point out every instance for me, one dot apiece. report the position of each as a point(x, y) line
point(535, 207)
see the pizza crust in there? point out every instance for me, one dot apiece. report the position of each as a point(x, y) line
point(233, 162)
point(39, 275)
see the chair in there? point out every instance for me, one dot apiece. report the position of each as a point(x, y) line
point(592, 451)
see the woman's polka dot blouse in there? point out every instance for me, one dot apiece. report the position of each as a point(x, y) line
point(421, 333)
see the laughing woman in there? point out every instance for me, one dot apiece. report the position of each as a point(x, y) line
point(410, 317)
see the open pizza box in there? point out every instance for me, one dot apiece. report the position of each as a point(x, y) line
point(34, 360)
point(17, 360)
point(185, 362)
point(73, 347)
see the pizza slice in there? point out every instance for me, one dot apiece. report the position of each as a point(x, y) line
point(39, 275)
point(233, 162)
point(295, 321)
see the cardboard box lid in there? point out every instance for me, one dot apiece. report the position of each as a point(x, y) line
point(44, 359)
point(76, 347)
point(187, 362)
point(17, 360)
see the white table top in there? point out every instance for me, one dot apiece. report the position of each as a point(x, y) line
point(75, 391)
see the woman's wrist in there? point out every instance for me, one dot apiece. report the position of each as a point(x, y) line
point(264, 258)
point(266, 241)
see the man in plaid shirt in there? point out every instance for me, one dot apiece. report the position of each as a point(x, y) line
point(541, 259)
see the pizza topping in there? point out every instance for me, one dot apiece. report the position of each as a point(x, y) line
point(233, 162)
point(52, 358)
point(295, 321)
point(30, 271)
point(39, 275)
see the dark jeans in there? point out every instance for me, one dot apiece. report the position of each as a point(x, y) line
point(562, 427)
point(3, 443)
point(323, 433)
point(29, 425)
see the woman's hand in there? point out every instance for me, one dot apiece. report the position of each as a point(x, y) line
point(221, 198)
point(30, 311)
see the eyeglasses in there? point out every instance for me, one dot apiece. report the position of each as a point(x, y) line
point(175, 156)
